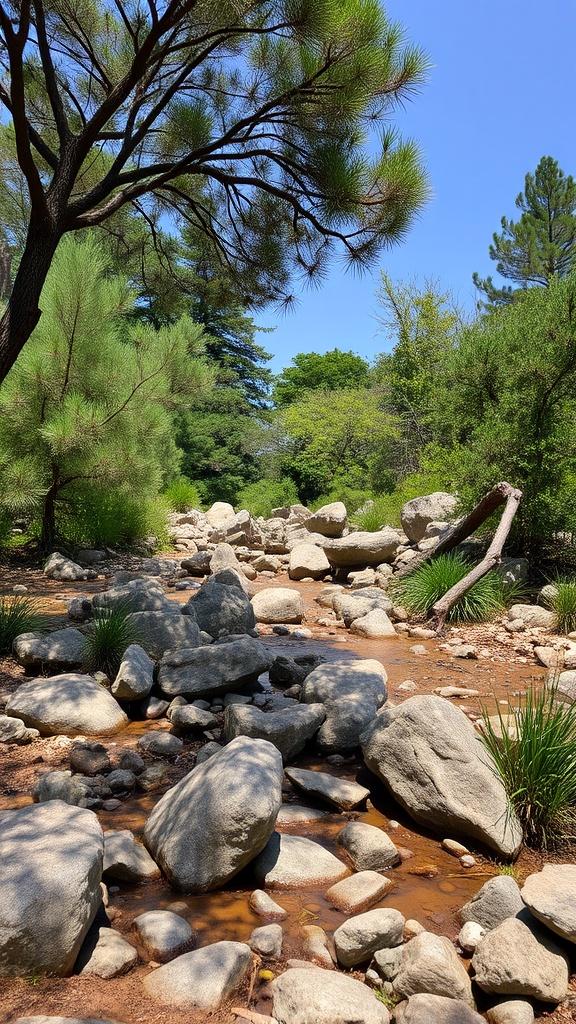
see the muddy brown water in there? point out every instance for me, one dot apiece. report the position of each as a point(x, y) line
point(428, 885)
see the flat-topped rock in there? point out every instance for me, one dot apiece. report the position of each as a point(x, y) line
point(298, 814)
point(288, 730)
point(71, 704)
point(296, 862)
point(511, 961)
point(357, 550)
point(127, 860)
point(358, 892)
point(203, 978)
point(63, 648)
point(550, 895)
point(164, 630)
point(138, 595)
point(197, 672)
point(339, 792)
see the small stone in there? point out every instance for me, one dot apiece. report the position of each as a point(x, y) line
point(263, 905)
point(470, 935)
point(89, 758)
point(267, 940)
point(359, 937)
point(511, 1011)
point(412, 928)
point(467, 860)
point(358, 892)
point(111, 955)
point(163, 934)
point(316, 945)
point(454, 847)
point(203, 978)
point(160, 744)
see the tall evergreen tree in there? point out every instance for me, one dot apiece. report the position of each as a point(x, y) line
point(541, 244)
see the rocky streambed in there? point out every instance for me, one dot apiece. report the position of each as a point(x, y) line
point(359, 886)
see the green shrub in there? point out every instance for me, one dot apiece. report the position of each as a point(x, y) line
point(111, 519)
point(563, 604)
point(182, 495)
point(264, 495)
point(387, 507)
point(353, 497)
point(420, 590)
point(5, 528)
point(108, 636)
point(17, 615)
point(538, 765)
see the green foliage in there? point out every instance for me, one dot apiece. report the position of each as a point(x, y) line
point(312, 371)
point(538, 765)
point(386, 508)
point(390, 1001)
point(563, 604)
point(107, 637)
point(182, 495)
point(541, 244)
point(264, 495)
point(353, 497)
point(419, 590)
point(113, 519)
point(17, 615)
point(5, 527)
point(87, 409)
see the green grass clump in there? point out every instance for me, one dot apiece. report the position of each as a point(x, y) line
point(264, 495)
point(420, 590)
point(182, 495)
point(563, 604)
point(538, 766)
point(17, 615)
point(108, 636)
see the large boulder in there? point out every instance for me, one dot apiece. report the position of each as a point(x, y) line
point(139, 595)
point(368, 847)
point(203, 978)
point(51, 857)
point(278, 604)
point(71, 704)
point(419, 512)
point(125, 859)
point(289, 730)
point(197, 564)
point(218, 817)
point(307, 560)
point(329, 520)
point(427, 1009)
point(550, 895)
point(352, 692)
point(274, 536)
point(198, 671)
point(358, 550)
point(161, 631)
point(350, 606)
point(373, 626)
point(511, 961)
point(311, 995)
point(533, 615)
point(220, 610)
point(428, 755)
point(292, 862)
point(61, 649)
point(135, 676)
point(218, 513)
point(239, 528)
point(429, 963)
point(498, 899)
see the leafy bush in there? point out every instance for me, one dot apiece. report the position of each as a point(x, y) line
point(420, 590)
point(114, 518)
point(182, 494)
point(264, 495)
point(353, 497)
point(17, 615)
point(538, 765)
point(386, 508)
point(5, 528)
point(108, 636)
point(563, 604)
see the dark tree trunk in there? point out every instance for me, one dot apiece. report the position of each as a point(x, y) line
point(48, 533)
point(22, 313)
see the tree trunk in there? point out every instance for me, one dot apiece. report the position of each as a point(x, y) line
point(48, 533)
point(22, 313)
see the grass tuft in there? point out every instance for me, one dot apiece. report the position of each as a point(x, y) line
point(563, 604)
point(538, 766)
point(420, 590)
point(182, 495)
point(108, 636)
point(17, 615)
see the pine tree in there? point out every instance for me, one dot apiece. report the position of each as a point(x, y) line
point(541, 244)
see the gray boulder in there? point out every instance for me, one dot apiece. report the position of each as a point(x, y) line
point(191, 719)
point(311, 995)
point(267, 940)
point(427, 1009)
point(278, 604)
point(163, 934)
point(419, 512)
point(220, 610)
point(329, 520)
point(428, 755)
point(352, 692)
point(359, 937)
point(164, 630)
point(135, 676)
point(340, 793)
point(51, 856)
point(550, 894)
point(68, 704)
point(60, 786)
point(58, 567)
point(373, 626)
point(203, 978)
point(125, 859)
point(202, 671)
point(288, 730)
point(63, 648)
point(358, 550)
point(511, 961)
point(197, 564)
point(139, 595)
point(429, 963)
point(511, 1011)
point(533, 615)
point(288, 862)
point(356, 604)
point(13, 730)
point(307, 560)
point(566, 687)
point(109, 956)
point(498, 899)
point(368, 847)
point(205, 829)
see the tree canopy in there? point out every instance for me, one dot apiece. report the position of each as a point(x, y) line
point(313, 371)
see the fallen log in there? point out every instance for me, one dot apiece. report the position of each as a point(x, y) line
point(502, 494)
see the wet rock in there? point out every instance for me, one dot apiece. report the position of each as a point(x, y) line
point(511, 961)
point(13, 730)
point(428, 755)
point(63, 648)
point(110, 956)
point(203, 978)
point(429, 963)
point(221, 610)
point(373, 626)
point(51, 856)
point(417, 514)
point(550, 894)
point(67, 704)
point(358, 892)
point(317, 945)
point(278, 604)
point(329, 520)
point(163, 935)
point(60, 785)
point(127, 860)
point(89, 758)
point(218, 817)
point(58, 567)
point(212, 670)
point(191, 719)
point(267, 940)
point(311, 995)
point(498, 899)
point(135, 676)
point(293, 861)
point(288, 730)
point(307, 561)
point(511, 1011)
point(368, 847)
point(359, 937)
point(263, 905)
point(338, 792)
point(165, 630)
point(359, 550)
point(428, 1009)
point(158, 743)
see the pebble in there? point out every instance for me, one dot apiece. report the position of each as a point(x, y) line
point(454, 847)
point(468, 861)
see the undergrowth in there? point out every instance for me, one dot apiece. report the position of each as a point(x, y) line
point(419, 590)
point(17, 615)
point(108, 636)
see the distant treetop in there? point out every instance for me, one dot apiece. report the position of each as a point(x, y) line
point(312, 371)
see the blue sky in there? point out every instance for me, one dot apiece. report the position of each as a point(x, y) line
point(500, 95)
